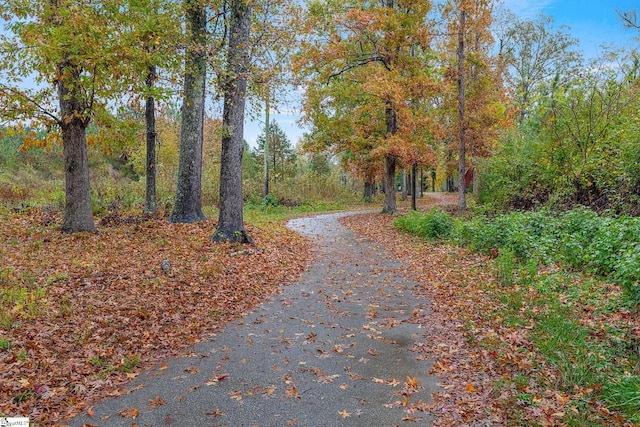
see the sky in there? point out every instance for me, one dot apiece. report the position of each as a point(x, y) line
point(592, 22)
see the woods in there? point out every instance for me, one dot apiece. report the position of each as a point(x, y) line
point(132, 117)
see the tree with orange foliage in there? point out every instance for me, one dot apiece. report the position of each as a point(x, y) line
point(369, 82)
point(475, 98)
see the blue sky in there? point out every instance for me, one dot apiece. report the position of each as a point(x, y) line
point(592, 22)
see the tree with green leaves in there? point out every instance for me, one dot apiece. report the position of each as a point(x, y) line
point(535, 53)
point(274, 38)
point(152, 30)
point(60, 65)
point(281, 155)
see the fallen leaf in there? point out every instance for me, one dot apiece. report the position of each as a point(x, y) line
point(158, 401)
point(216, 379)
point(412, 382)
point(129, 413)
point(344, 414)
point(292, 392)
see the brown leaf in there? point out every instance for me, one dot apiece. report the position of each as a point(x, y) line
point(129, 413)
point(158, 401)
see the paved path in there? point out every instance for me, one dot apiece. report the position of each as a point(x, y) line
point(333, 350)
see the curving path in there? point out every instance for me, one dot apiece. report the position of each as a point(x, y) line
point(334, 350)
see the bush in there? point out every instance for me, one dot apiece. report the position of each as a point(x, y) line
point(269, 201)
point(578, 239)
point(434, 225)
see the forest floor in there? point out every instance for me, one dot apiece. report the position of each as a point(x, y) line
point(91, 316)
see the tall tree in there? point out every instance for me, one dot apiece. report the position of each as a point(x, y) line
point(275, 28)
point(188, 200)
point(153, 31)
point(365, 50)
point(462, 190)
point(475, 100)
point(536, 53)
point(280, 155)
point(230, 221)
point(72, 51)
point(150, 201)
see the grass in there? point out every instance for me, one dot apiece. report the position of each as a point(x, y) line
point(555, 290)
point(20, 297)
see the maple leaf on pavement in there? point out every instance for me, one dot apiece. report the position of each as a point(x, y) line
point(344, 414)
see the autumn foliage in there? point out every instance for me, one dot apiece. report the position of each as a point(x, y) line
point(82, 314)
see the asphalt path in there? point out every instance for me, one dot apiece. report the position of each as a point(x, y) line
point(333, 350)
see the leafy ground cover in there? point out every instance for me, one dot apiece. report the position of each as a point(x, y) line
point(82, 314)
point(516, 343)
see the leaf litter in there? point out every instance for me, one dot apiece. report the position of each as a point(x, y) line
point(120, 300)
point(460, 318)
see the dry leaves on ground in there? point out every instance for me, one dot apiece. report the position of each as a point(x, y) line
point(100, 307)
point(473, 350)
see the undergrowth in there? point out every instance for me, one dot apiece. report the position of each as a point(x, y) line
point(557, 277)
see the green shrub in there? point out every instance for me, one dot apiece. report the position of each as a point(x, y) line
point(579, 239)
point(269, 201)
point(434, 225)
point(505, 265)
point(625, 395)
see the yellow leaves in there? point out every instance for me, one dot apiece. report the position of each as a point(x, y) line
point(470, 388)
point(412, 383)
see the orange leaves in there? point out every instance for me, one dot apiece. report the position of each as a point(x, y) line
point(344, 414)
point(129, 413)
point(119, 306)
point(214, 380)
point(412, 383)
point(158, 401)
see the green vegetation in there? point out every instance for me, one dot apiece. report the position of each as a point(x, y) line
point(435, 225)
point(580, 240)
point(20, 297)
point(574, 321)
point(32, 176)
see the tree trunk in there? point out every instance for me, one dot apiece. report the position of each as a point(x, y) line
point(266, 148)
point(188, 202)
point(462, 201)
point(414, 173)
point(368, 192)
point(231, 223)
point(404, 185)
point(78, 214)
point(389, 184)
point(150, 203)
point(390, 164)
